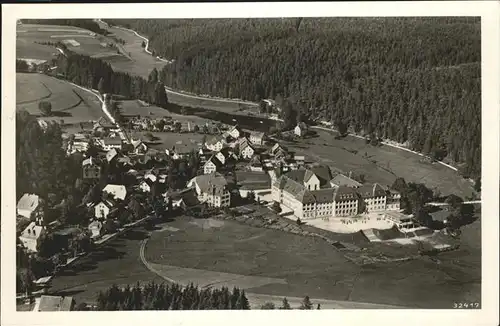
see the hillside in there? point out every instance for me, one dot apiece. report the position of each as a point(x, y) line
point(412, 80)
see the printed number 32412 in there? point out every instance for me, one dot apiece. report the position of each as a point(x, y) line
point(465, 305)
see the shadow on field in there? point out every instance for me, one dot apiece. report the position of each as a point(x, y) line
point(66, 293)
point(135, 235)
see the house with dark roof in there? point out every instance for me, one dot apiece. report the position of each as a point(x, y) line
point(90, 169)
point(211, 189)
point(215, 143)
point(30, 237)
point(235, 132)
point(212, 165)
point(146, 185)
point(374, 197)
point(257, 138)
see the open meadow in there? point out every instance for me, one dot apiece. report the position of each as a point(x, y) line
point(76, 39)
point(69, 103)
point(140, 63)
point(382, 164)
point(298, 266)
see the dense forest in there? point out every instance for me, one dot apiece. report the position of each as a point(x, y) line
point(96, 74)
point(411, 80)
point(41, 163)
point(82, 23)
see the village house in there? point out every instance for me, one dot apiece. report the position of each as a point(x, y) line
point(211, 189)
point(235, 132)
point(110, 143)
point(96, 229)
point(183, 199)
point(300, 130)
point(30, 237)
point(102, 209)
point(146, 185)
point(215, 144)
point(212, 165)
point(30, 206)
point(226, 155)
point(111, 155)
point(139, 147)
point(257, 138)
point(246, 150)
point(54, 303)
point(117, 191)
point(90, 169)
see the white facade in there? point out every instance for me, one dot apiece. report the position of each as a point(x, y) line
point(209, 167)
point(247, 152)
point(257, 138)
point(224, 200)
point(313, 183)
point(221, 157)
point(101, 210)
point(235, 133)
point(144, 186)
point(31, 236)
point(298, 131)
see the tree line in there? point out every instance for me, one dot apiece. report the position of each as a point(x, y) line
point(153, 296)
point(81, 23)
point(412, 80)
point(97, 74)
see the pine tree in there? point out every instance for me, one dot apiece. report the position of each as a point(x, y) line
point(285, 305)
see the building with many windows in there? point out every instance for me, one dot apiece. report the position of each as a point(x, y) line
point(310, 195)
point(211, 189)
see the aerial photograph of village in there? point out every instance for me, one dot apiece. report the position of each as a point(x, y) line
point(248, 163)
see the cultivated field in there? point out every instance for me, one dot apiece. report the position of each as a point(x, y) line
point(76, 39)
point(380, 164)
point(69, 103)
point(308, 266)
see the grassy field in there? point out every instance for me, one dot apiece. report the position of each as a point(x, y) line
point(117, 262)
point(309, 266)
point(28, 34)
point(379, 164)
point(69, 103)
point(141, 63)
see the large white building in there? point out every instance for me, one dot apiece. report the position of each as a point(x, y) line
point(309, 194)
point(211, 189)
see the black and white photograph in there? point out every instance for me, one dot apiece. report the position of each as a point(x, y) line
point(248, 163)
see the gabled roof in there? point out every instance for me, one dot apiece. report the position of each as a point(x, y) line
point(55, 303)
point(28, 202)
point(345, 193)
point(323, 173)
point(111, 141)
point(213, 159)
point(370, 191)
point(211, 182)
point(214, 140)
point(89, 161)
point(112, 153)
point(118, 191)
point(188, 196)
point(257, 134)
point(32, 231)
point(342, 180)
